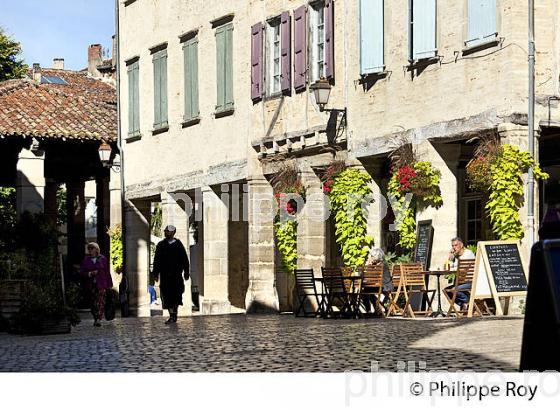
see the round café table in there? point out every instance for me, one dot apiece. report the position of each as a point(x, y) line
point(438, 274)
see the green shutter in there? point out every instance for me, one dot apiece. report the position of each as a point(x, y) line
point(130, 71)
point(163, 88)
point(220, 68)
point(157, 92)
point(136, 99)
point(229, 67)
point(190, 50)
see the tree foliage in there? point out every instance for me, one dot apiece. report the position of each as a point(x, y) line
point(11, 63)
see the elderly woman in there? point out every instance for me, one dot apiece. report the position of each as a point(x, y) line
point(95, 269)
point(376, 256)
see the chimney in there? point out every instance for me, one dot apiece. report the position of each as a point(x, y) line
point(94, 59)
point(114, 53)
point(58, 64)
point(37, 73)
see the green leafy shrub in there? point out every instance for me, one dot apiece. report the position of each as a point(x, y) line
point(349, 189)
point(115, 235)
point(286, 241)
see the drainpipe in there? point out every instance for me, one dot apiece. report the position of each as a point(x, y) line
point(531, 124)
point(117, 51)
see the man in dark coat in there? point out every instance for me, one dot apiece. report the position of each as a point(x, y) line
point(171, 265)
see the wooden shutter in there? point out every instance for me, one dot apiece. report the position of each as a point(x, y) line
point(481, 21)
point(286, 52)
point(220, 67)
point(371, 37)
point(190, 54)
point(329, 38)
point(163, 88)
point(256, 62)
point(136, 97)
point(300, 48)
point(157, 90)
point(423, 29)
point(229, 67)
point(130, 72)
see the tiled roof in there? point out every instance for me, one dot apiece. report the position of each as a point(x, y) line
point(84, 108)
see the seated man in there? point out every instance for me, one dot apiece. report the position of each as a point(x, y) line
point(459, 252)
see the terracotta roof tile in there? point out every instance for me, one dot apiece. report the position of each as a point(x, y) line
point(84, 108)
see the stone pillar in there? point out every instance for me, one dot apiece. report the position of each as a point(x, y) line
point(115, 196)
point(215, 224)
point(261, 295)
point(173, 212)
point(137, 252)
point(103, 204)
point(75, 209)
point(30, 183)
point(51, 204)
point(311, 231)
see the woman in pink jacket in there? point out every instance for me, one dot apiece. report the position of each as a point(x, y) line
point(95, 269)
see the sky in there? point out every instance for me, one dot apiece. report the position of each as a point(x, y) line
point(49, 29)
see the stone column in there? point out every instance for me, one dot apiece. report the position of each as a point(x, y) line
point(30, 183)
point(51, 205)
point(215, 224)
point(115, 196)
point(137, 253)
point(261, 295)
point(75, 209)
point(174, 211)
point(103, 204)
point(311, 231)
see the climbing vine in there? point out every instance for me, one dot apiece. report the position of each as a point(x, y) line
point(347, 191)
point(499, 171)
point(115, 234)
point(422, 181)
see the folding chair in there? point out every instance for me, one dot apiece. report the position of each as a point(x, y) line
point(394, 295)
point(372, 285)
point(464, 275)
point(306, 289)
point(336, 293)
point(414, 284)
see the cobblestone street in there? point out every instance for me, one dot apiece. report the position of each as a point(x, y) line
point(255, 343)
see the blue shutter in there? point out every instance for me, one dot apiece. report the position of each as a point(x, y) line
point(228, 59)
point(130, 71)
point(220, 68)
point(163, 87)
point(481, 21)
point(157, 91)
point(136, 98)
point(423, 29)
point(190, 50)
point(371, 36)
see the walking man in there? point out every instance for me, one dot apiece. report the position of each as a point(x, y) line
point(171, 265)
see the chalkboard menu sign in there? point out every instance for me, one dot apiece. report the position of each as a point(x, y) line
point(506, 267)
point(424, 238)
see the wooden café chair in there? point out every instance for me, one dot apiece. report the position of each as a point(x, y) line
point(372, 285)
point(398, 286)
point(463, 275)
point(414, 284)
point(336, 295)
point(307, 290)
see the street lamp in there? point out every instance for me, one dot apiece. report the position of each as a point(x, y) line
point(106, 157)
point(321, 91)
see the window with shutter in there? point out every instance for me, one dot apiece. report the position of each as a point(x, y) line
point(133, 103)
point(160, 89)
point(286, 52)
point(256, 61)
point(300, 48)
point(422, 31)
point(273, 57)
point(190, 57)
point(224, 68)
point(317, 35)
point(481, 16)
point(371, 37)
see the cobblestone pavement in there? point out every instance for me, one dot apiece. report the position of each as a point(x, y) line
point(272, 343)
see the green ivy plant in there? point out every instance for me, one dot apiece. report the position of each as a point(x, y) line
point(348, 190)
point(286, 241)
point(115, 234)
point(506, 190)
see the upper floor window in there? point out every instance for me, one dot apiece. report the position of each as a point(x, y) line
point(371, 37)
point(481, 22)
point(317, 35)
point(159, 59)
point(133, 68)
point(422, 29)
point(190, 61)
point(273, 56)
point(224, 68)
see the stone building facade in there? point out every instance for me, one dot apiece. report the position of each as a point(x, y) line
point(215, 95)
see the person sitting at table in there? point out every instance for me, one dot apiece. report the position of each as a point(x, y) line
point(459, 252)
point(376, 256)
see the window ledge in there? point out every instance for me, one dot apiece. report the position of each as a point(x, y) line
point(190, 122)
point(224, 113)
point(480, 46)
point(274, 96)
point(133, 137)
point(128, 2)
point(376, 75)
point(160, 130)
point(424, 62)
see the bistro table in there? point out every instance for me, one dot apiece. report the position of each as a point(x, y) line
point(438, 274)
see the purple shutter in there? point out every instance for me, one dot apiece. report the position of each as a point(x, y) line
point(300, 47)
point(256, 61)
point(329, 39)
point(286, 53)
